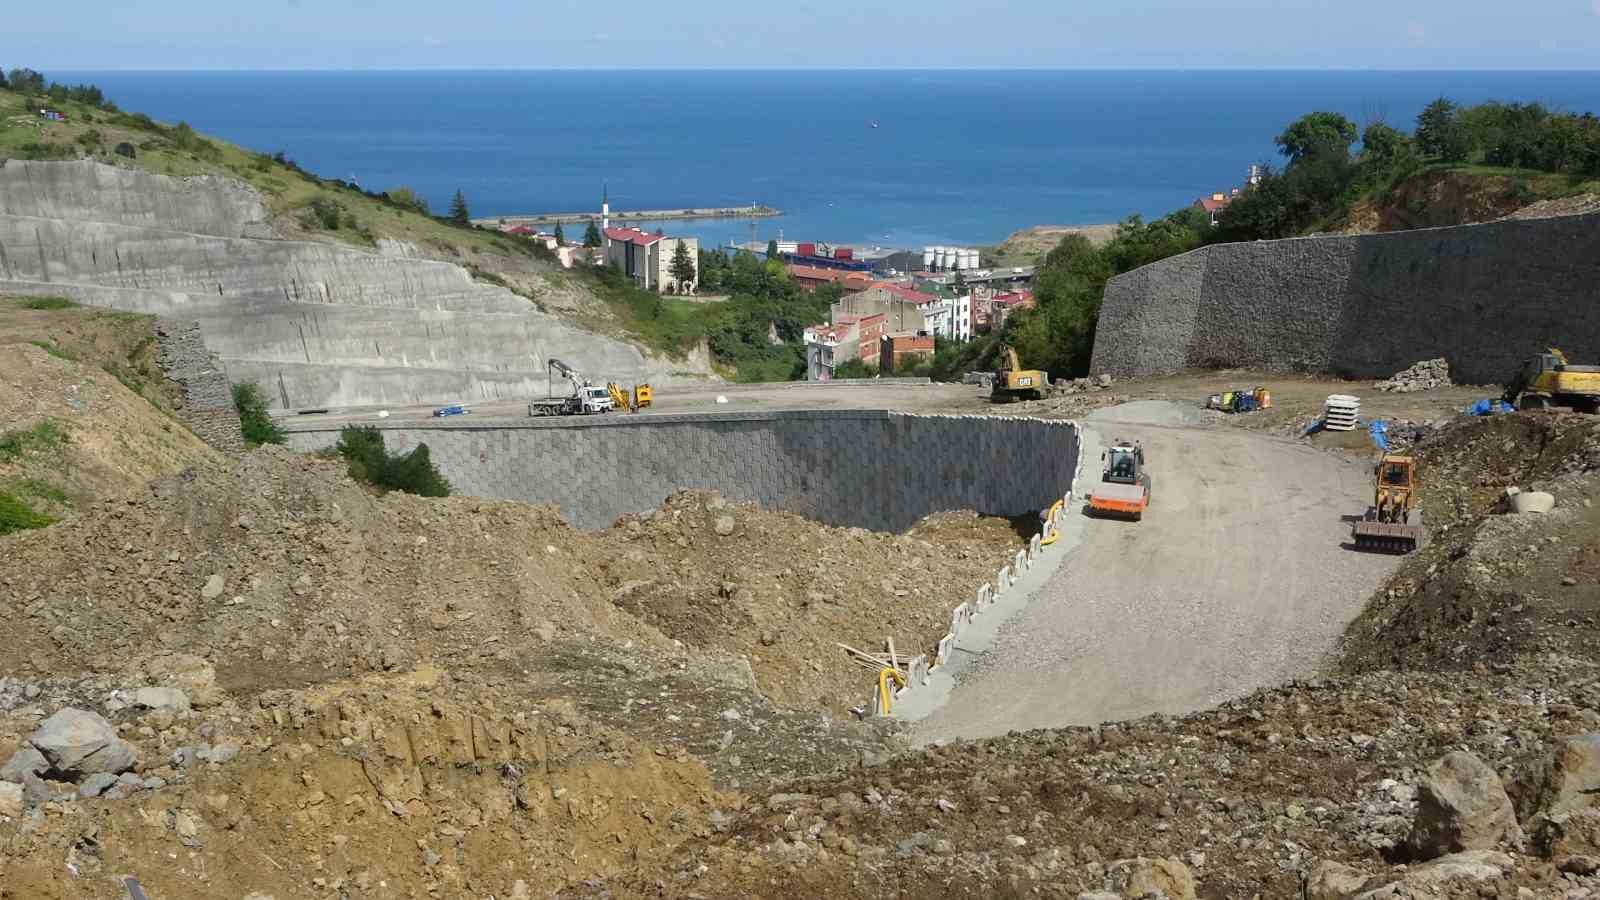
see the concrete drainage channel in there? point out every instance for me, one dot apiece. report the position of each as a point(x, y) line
point(926, 685)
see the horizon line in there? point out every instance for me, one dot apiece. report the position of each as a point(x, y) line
point(817, 69)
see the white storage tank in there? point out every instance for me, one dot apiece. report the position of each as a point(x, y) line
point(927, 256)
point(946, 259)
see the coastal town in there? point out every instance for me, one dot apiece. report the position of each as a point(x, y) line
point(894, 305)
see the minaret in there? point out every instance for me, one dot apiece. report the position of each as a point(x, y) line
point(605, 207)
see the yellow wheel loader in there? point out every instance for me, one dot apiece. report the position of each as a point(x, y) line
point(1393, 523)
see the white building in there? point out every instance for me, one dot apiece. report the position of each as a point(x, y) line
point(949, 318)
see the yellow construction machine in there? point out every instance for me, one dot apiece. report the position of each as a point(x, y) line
point(1012, 381)
point(1549, 380)
point(1393, 524)
point(632, 400)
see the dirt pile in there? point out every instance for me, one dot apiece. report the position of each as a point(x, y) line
point(784, 591)
point(1492, 585)
point(281, 570)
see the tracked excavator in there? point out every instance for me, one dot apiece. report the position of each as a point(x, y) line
point(1549, 380)
point(1012, 381)
point(1393, 523)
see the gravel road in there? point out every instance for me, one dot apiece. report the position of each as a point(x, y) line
point(1235, 579)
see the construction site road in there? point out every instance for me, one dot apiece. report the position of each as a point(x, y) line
point(1240, 576)
point(903, 397)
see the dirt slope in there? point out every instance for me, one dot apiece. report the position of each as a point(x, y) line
point(79, 435)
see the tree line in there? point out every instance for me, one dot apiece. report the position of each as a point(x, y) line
point(1323, 173)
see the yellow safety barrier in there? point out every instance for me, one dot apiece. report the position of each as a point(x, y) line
point(884, 696)
point(1051, 534)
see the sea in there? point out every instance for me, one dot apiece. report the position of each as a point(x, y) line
point(867, 158)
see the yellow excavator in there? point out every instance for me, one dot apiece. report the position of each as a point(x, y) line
point(1393, 523)
point(632, 400)
point(1549, 380)
point(1012, 381)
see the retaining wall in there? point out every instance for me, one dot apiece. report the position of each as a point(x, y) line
point(865, 468)
point(1484, 297)
point(207, 395)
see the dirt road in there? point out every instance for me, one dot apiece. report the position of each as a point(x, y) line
point(1235, 579)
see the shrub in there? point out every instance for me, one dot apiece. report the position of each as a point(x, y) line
point(254, 422)
point(371, 463)
point(327, 213)
point(17, 515)
point(126, 149)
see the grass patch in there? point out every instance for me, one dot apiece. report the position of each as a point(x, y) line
point(47, 303)
point(17, 515)
point(46, 437)
point(40, 490)
point(52, 348)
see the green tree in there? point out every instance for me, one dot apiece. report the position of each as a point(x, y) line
point(1382, 143)
point(25, 81)
point(1439, 132)
point(2, 79)
point(1316, 133)
point(370, 462)
point(561, 236)
point(406, 197)
point(254, 421)
point(772, 249)
point(591, 235)
point(682, 267)
point(459, 215)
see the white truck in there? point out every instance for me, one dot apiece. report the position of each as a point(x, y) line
point(585, 399)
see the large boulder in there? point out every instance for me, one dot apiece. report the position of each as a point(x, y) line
point(26, 761)
point(1456, 875)
point(1565, 780)
point(1165, 878)
point(77, 742)
point(1461, 805)
point(1574, 832)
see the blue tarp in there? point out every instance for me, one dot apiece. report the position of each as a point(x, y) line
point(1379, 431)
point(1488, 408)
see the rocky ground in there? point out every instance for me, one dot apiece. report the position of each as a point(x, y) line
point(255, 679)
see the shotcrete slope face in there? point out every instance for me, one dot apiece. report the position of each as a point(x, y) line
point(316, 324)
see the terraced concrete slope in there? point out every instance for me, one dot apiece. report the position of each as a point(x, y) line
point(315, 324)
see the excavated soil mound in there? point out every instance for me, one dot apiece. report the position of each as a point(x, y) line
point(281, 571)
point(1492, 585)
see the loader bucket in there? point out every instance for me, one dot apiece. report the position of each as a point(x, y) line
point(1384, 537)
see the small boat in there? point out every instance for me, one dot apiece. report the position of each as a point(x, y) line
point(874, 124)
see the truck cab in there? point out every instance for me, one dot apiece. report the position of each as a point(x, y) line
point(595, 400)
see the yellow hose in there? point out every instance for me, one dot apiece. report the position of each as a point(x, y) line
point(1051, 534)
point(884, 697)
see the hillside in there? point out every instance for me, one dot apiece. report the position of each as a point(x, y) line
point(320, 293)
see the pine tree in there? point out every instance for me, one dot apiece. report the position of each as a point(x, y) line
point(772, 249)
point(591, 235)
point(458, 210)
point(561, 237)
point(683, 271)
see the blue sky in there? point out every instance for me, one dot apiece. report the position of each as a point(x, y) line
point(533, 34)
